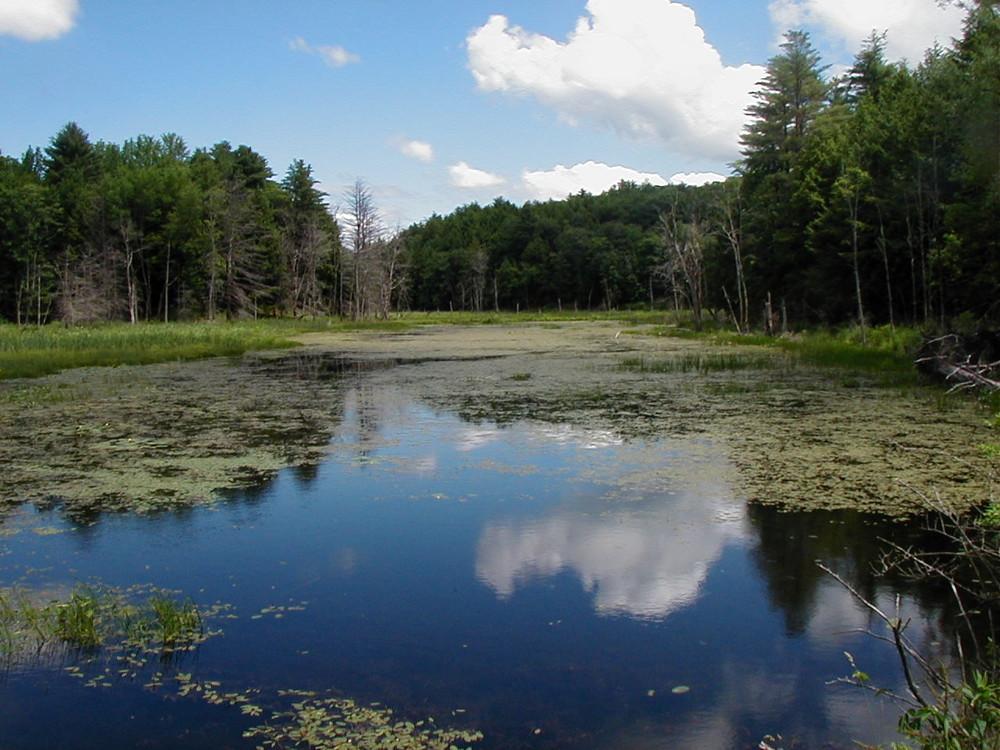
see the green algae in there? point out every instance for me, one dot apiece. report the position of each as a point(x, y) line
point(332, 722)
point(161, 437)
point(150, 438)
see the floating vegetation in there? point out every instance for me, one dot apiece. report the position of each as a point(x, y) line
point(160, 437)
point(92, 618)
point(706, 362)
point(327, 723)
point(278, 611)
point(168, 436)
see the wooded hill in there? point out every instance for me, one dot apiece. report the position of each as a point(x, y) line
point(873, 197)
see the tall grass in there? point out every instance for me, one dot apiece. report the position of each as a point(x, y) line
point(886, 350)
point(28, 352)
point(703, 363)
point(174, 622)
point(77, 622)
point(34, 351)
point(92, 618)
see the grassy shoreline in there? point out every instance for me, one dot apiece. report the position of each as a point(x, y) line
point(887, 350)
point(29, 352)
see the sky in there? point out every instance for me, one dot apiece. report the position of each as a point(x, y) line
point(437, 103)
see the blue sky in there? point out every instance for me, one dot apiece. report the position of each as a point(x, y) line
point(436, 103)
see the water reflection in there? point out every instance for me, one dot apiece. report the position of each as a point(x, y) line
point(643, 562)
point(533, 575)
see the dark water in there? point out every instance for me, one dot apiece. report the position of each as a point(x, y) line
point(547, 585)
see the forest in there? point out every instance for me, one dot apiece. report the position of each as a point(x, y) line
point(871, 197)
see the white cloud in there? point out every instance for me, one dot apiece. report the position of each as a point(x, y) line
point(913, 25)
point(464, 176)
point(696, 178)
point(335, 56)
point(591, 176)
point(35, 20)
point(642, 67)
point(419, 150)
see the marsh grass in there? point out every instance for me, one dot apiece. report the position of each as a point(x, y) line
point(175, 622)
point(703, 363)
point(29, 351)
point(885, 350)
point(33, 352)
point(92, 618)
point(548, 318)
point(78, 621)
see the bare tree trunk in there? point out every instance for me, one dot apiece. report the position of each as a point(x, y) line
point(883, 246)
point(854, 205)
point(166, 289)
point(131, 283)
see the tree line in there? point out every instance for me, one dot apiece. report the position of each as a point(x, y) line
point(148, 230)
point(873, 198)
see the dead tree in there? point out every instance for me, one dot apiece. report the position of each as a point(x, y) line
point(684, 265)
point(732, 230)
point(364, 229)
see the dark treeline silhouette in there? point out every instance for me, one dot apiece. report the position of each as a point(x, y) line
point(872, 198)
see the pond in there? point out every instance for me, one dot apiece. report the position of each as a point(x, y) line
point(546, 584)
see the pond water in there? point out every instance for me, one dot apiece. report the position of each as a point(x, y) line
point(540, 583)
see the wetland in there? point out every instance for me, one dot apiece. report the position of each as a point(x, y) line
point(562, 534)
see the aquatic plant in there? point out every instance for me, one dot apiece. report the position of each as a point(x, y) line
point(34, 351)
point(327, 723)
point(706, 362)
point(175, 622)
point(77, 620)
point(886, 350)
point(92, 618)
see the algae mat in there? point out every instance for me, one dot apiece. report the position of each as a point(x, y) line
point(163, 436)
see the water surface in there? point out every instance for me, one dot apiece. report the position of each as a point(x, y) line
point(548, 585)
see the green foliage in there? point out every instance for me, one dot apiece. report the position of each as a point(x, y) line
point(92, 618)
point(77, 621)
point(967, 718)
point(175, 622)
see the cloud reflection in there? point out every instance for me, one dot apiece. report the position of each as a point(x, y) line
point(641, 562)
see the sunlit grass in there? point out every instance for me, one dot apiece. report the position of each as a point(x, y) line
point(27, 352)
point(35, 351)
point(30, 351)
point(174, 622)
point(885, 350)
point(92, 618)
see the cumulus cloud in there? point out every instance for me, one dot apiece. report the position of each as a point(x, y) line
point(592, 176)
point(464, 176)
point(642, 67)
point(913, 26)
point(333, 55)
point(419, 150)
point(696, 178)
point(35, 20)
